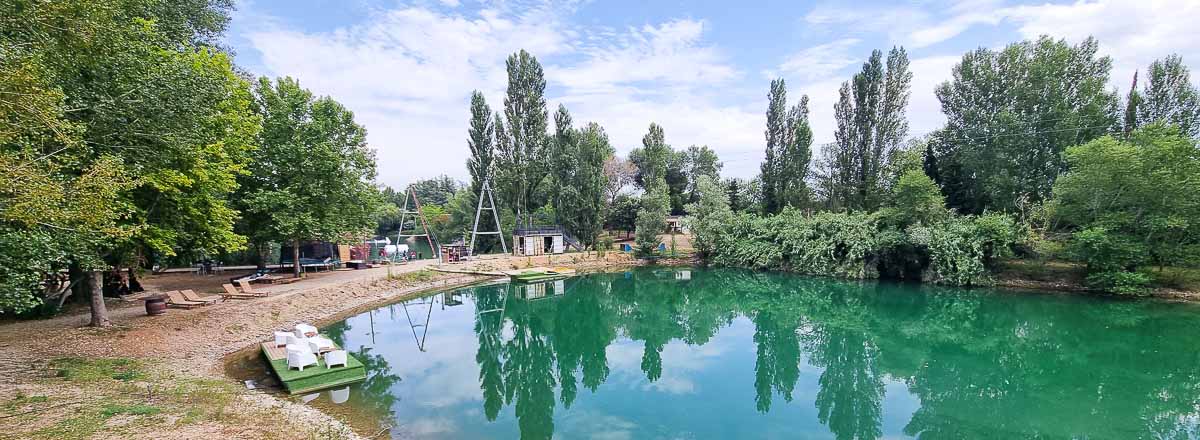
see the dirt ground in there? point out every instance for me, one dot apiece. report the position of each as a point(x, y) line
point(162, 376)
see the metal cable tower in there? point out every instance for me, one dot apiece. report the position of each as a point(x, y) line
point(400, 235)
point(487, 189)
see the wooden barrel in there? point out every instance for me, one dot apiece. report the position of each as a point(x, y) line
point(156, 305)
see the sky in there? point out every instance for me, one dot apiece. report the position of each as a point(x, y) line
point(701, 69)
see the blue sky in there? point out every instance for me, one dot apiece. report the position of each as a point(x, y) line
point(700, 69)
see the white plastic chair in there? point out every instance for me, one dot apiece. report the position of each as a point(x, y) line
point(336, 357)
point(305, 331)
point(300, 359)
point(319, 344)
point(291, 339)
point(282, 338)
point(340, 396)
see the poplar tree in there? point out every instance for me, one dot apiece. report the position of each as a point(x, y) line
point(775, 133)
point(789, 151)
point(521, 141)
point(870, 115)
point(481, 141)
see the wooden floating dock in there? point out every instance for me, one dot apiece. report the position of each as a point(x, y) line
point(314, 377)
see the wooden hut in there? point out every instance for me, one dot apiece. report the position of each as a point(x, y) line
point(539, 240)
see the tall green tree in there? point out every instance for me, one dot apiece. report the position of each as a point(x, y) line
point(709, 216)
point(775, 133)
point(1170, 97)
point(561, 156)
point(701, 162)
point(871, 122)
point(129, 88)
point(651, 219)
point(481, 140)
point(521, 141)
point(312, 177)
point(784, 171)
point(1011, 113)
point(583, 196)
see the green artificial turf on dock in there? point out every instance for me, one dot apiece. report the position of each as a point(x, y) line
point(314, 377)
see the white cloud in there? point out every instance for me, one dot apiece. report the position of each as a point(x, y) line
point(819, 61)
point(1132, 33)
point(408, 74)
point(671, 52)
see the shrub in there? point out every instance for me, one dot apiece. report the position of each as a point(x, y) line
point(1112, 259)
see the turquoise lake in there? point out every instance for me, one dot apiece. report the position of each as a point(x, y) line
point(670, 353)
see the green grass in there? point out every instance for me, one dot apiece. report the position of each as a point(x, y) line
point(93, 370)
point(134, 410)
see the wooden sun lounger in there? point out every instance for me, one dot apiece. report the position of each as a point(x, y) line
point(176, 300)
point(250, 290)
point(232, 293)
point(191, 295)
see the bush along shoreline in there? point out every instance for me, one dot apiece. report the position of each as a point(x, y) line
point(957, 251)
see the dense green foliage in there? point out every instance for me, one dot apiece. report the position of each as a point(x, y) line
point(521, 140)
point(870, 124)
point(1131, 203)
point(1169, 97)
point(957, 251)
point(134, 124)
point(708, 216)
point(655, 204)
point(312, 177)
point(789, 151)
point(1010, 115)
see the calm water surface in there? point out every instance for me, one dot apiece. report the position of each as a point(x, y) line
point(721, 354)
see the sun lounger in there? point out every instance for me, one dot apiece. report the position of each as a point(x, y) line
point(177, 300)
point(190, 295)
point(232, 293)
point(246, 287)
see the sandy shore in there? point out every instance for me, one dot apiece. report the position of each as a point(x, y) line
point(163, 376)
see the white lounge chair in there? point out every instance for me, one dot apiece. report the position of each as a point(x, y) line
point(340, 396)
point(309, 397)
point(319, 344)
point(281, 338)
point(305, 330)
point(300, 359)
point(336, 357)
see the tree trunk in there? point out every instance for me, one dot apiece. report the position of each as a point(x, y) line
point(260, 259)
point(296, 258)
point(99, 311)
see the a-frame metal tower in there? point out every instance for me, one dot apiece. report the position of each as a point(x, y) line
point(487, 189)
point(418, 214)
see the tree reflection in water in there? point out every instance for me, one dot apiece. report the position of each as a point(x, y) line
point(979, 364)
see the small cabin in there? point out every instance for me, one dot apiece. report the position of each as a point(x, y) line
point(676, 225)
point(539, 240)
